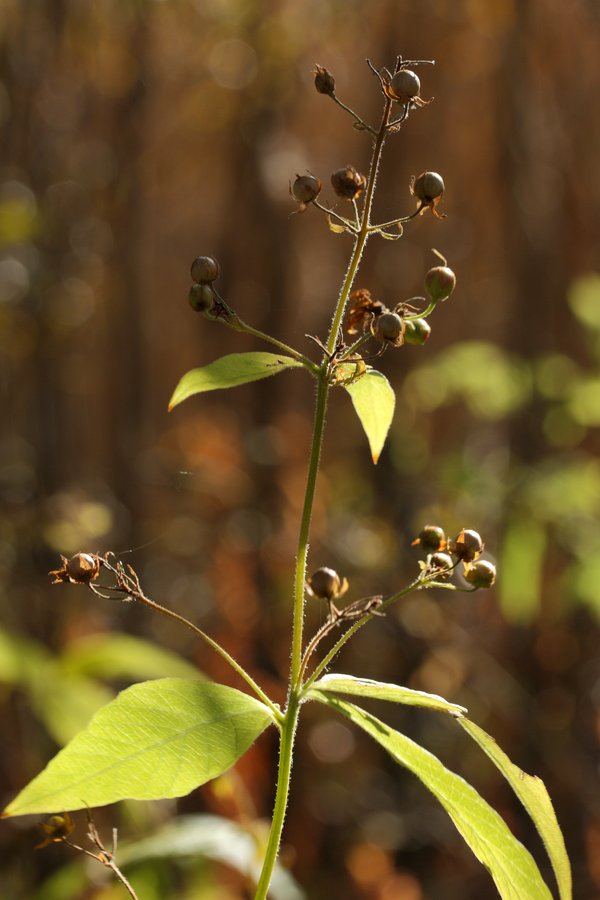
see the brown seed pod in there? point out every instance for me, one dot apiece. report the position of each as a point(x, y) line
point(80, 569)
point(324, 80)
point(205, 269)
point(348, 183)
point(467, 546)
point(306, 188)
point(431, 538)
point(442, 562)
point(429, 186)
point(404, 86)
point(389, 327)
point(326, 584)
point(480, 574)
point(201, 297)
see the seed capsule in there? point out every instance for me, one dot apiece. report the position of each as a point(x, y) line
point(416, 331)
point(404, 86)
point(205, 270)
point(389, 327)
point(325, 583)
point(443, 562)
point(428, 187)
point(468, 545)
point(201, 297)
point(440, 281)
point(306, 188)
point(481, 574)
point(348, 183)
point(431, 538)
point(324, 80)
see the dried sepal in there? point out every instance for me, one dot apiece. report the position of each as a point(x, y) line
point(363, 309)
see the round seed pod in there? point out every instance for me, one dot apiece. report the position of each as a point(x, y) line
point(441, 561)
point(440, 281)
point(205, 270)
point(325, 583)
point(468, 545)
point(481, 574)
point(82, 568)
point(431, 538)
point(405, 86)
point(389, 327)
point(348, 183)
point(306, 188)
point(429, 186)
point(201, 297)
point(416, 331)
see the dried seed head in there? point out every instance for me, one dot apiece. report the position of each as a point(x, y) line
point(324, 80)
point(363, 309)
point(56, 829)
point(325, 583)
point(431, 538)
point(416, 331)
point(404, 86)
point(428, 187)
point(440, 281)
point(480, 574)
point(201, 297)
point(348, 183)
point(389, 327)
point(441, 561)
point(205, 270)
point(468, 545)
point(80, 569)
point(306, 188)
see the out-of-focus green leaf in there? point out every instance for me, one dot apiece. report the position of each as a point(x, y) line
point(521, 563)
point(109, 655)
point(215, 838)
point(157, 739)
point(374, 400)
point(66, 703)
point(230, 371)
point(20, 658)
point(532, 793)
point(378, 690)
point(584, 299)
point(511, 866)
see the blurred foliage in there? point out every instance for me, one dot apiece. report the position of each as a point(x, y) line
point(135, 135)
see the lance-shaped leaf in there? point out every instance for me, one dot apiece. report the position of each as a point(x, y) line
point(374, 400)
point(229, 371)
point(156, 739)
point(511, 866)
point(532, 793)
point(379, 690)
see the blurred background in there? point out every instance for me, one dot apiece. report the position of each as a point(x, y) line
point(136, 135)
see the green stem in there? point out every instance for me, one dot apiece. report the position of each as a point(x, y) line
point(290, 720)
point(141, 598)
point(363, 234)
point(286, 747)
point(239, 325)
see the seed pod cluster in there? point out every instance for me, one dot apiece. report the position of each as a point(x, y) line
point(444, 555)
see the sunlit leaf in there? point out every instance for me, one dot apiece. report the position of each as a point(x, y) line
point(157, 739)
point(218, 839)
point(230, 371)
point(511, 866)
point(374, 400)
point(532, 793)
point(378, 690)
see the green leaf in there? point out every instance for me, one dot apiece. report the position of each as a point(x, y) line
point(229, 371)
point(511, 866)
point(379, 690)
point(532, 793)
point(373, 399)
point(218, 839)
point(107, 655)
point(157, 739)
point(65, 704)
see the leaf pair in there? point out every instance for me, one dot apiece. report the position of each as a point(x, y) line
point(164, 738)
point(371, 394)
